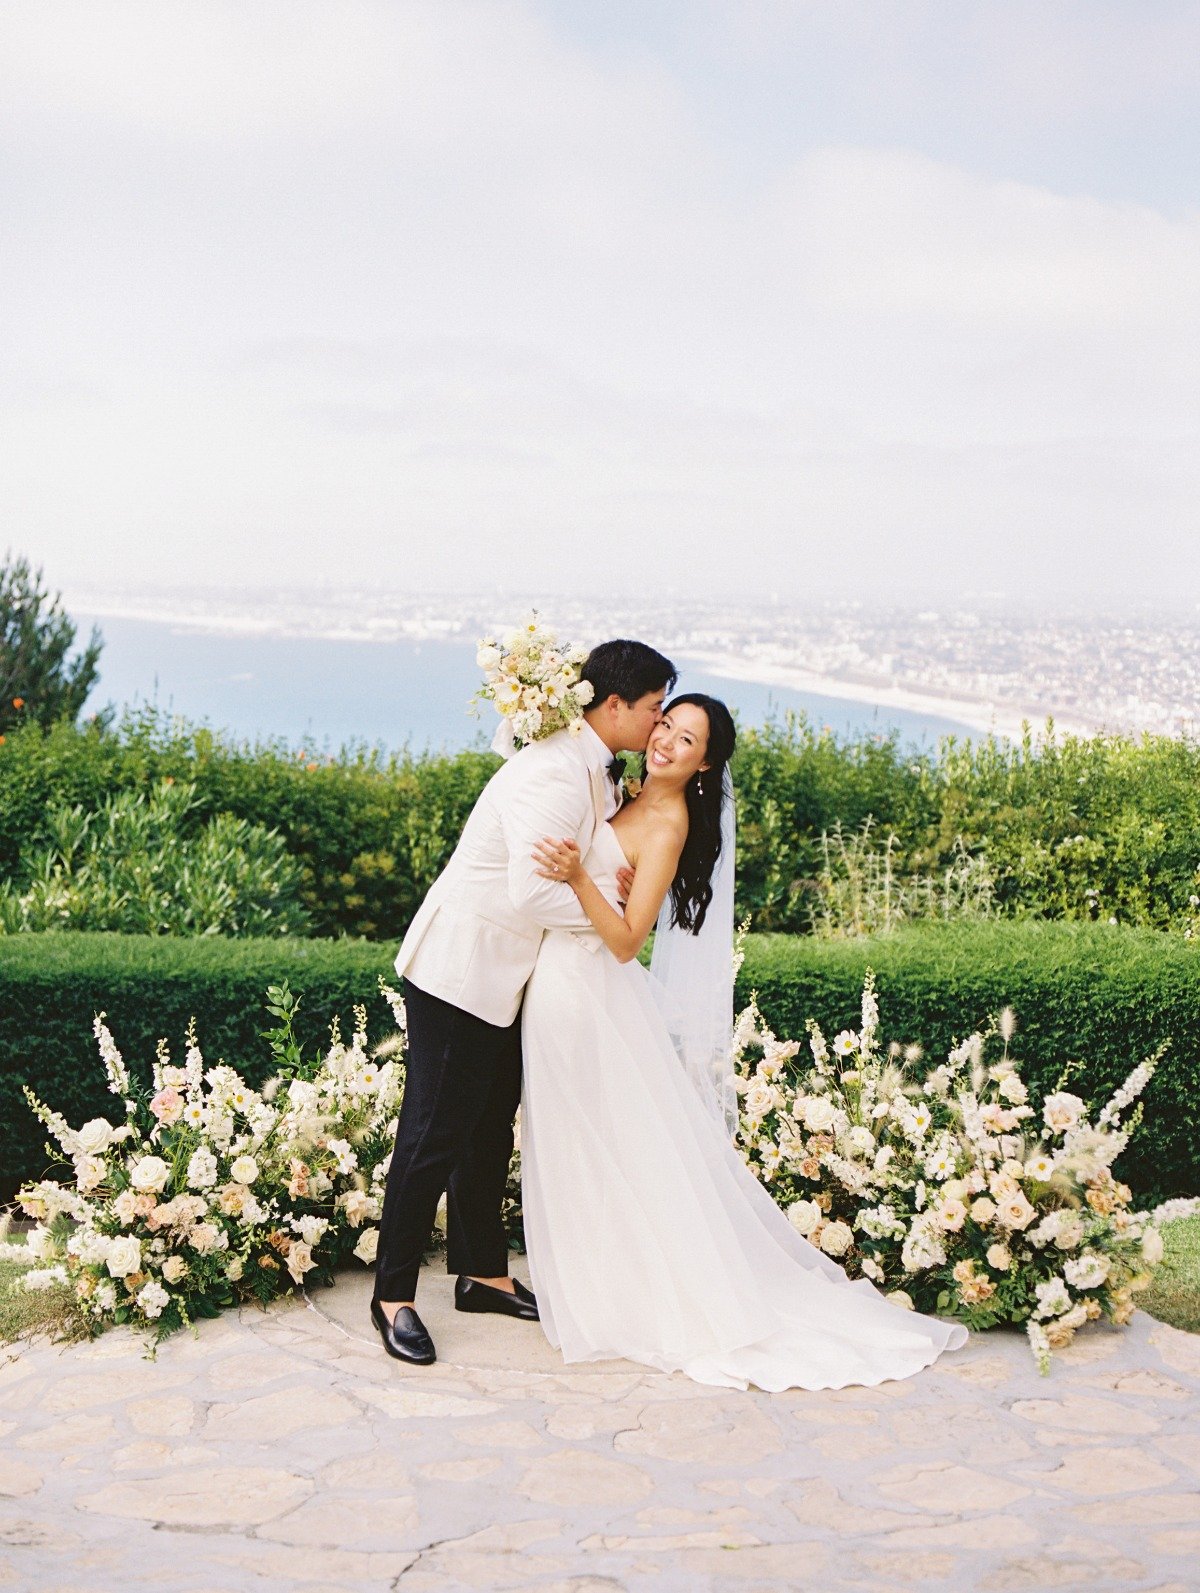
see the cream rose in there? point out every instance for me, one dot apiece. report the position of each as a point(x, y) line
point(818, 1114)
point(804, 1215)
point(123, 1255)
point(244, 1170)
point(836, 1238)
point(95, 1136)
point(1061, 1111)
point(368, 1245)
point(1016, 1212)
point(149, 1175)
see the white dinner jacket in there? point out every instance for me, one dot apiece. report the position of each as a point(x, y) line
point(475, 937)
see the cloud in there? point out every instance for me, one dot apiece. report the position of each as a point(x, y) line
point(408, 292)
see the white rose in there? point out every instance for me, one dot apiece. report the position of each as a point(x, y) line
point(368, 1245)
point(244, 1170)
point(861, 1139)
point(123, 1256)
point(760, 1099)
point(898, 1297)
point(804, 1215)
point(836, 1238)
point(487, 656)
point(95, 1136)
point(818, 1114)
point(149, 1175)
point(1152, 1246)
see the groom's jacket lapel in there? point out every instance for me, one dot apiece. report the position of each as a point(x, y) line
point(471, 943)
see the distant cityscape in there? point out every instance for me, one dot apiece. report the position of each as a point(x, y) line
point(990, 670)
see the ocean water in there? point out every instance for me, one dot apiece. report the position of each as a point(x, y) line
point(326, 693)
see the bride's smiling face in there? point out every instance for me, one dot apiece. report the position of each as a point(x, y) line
point(679, 744)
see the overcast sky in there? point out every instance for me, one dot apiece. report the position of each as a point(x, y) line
point(833, 298)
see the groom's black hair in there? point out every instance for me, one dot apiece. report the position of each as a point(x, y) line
point(630, 669)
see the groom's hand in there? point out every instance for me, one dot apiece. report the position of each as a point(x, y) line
point(624, 884)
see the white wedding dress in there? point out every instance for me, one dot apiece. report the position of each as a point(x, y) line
point(648, 1238)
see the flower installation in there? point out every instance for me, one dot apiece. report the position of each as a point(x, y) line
point(951, 1192)
point(205, 1193)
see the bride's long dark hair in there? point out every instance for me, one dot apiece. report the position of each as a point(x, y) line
point(691, 889)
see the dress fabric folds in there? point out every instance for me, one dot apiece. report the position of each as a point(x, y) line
point(648, 1237)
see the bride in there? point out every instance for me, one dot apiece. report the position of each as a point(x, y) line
point(648, 1237)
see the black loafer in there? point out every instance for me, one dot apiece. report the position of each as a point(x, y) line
point(407, 1337)
point(469, 1295)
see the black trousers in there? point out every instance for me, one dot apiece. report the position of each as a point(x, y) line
point(462, 1088)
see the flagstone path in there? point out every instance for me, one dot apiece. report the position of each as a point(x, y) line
point(283, 1450)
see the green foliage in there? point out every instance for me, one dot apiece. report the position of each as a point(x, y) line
point(39, 683)
point(138, 864)
point(1084, 830)
point(371, 831)
point(1100, 997)
point(860, 892)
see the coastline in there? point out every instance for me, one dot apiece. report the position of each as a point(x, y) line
point(999, 719)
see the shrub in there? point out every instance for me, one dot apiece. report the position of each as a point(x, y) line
point(133, 866)
point(1107, 828)
point(1099, 996)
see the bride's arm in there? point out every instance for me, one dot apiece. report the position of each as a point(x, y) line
point(624, 935)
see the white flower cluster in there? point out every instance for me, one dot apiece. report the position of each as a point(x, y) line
point(953, 1188)
point(532, 681)
point(212, 1190)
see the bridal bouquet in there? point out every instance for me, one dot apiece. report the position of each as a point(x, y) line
point(207, 1192)
point(953, 1194)
point(532, 681)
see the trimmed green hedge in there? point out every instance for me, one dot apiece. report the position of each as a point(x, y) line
point(1106, 997)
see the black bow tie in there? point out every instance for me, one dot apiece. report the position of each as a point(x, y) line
point(616, 771)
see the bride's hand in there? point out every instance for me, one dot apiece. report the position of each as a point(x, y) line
point(559, 860)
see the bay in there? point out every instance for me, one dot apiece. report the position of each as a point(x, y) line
point(324, 693)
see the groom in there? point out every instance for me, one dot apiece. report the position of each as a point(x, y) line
point(465, 961)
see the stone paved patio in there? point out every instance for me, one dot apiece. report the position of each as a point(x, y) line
point(283, 1450)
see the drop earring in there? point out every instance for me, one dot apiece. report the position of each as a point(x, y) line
point(699, 785)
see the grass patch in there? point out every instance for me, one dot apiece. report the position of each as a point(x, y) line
point(29, 1314)
point(1174, 1296)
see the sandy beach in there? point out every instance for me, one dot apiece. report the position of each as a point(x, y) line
point(989, 718)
